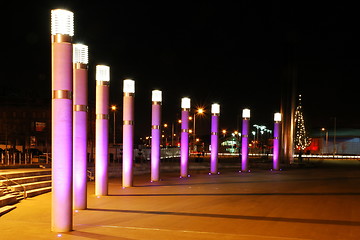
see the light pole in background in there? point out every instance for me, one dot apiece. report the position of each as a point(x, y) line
point(62, 30)
point(184, 145)
point(277, 134)
point(102, 130)
point(245, 141)
point(215, 113)
point(80, 75)
point(155, 134)
point(114, 109)
point(128, 132)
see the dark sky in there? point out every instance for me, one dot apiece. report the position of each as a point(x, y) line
point(231, 52)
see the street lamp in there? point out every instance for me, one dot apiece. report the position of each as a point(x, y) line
point(326, 139)
point(184, 147)
point(245, 141)
point(113, 109)
point(80, 83)
point(62, 30)
point(277, 134)
point(128, 132)
point(215, 113)
point(102, 130)
point(155, 134)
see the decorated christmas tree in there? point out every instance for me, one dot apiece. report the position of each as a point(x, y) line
point(301, 140)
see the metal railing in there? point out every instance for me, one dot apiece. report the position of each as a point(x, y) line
point(16, 183)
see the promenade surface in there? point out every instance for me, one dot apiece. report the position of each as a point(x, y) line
point(308, 203)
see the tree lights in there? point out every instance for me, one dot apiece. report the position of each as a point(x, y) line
point(301, 140)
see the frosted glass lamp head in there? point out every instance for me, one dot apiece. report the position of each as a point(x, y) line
point(215, 108)
point(277, 117)
point(185, 103)
point(156, 96)
point(102, 73)
point(80, 53)
point(62, 22)
point(246, 113)
point(129, 86)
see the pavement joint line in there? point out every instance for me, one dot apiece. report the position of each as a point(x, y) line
point(191, 232)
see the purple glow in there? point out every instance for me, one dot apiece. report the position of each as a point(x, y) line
point(62, 137)
point(276, 151)
point(184, 147)
point(245, 145)
point(155, 142)
point(128, 140)
point(80, 139)
point(214, 143)
point(101, 140)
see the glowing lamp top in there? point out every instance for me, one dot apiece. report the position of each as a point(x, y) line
point(62, 22)
point(185, 102)
point(215, 108)
point(277, 117)
point(156, 96)
point(246, 113)
point(80, 53)
point(129, 86)
point(102, 73)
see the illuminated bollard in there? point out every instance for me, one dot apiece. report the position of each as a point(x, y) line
point(102, 130)
point(245, 141)
point(155, 135)
point(80, 73)
point(215, 113)
point(277, 134)
point(184, 144)
point(62, 30)
point(128, 133)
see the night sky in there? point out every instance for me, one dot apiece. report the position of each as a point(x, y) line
point(231, 52)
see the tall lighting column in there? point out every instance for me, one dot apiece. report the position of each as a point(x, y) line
point(277, 134)
point(155, 135)
point(184, 144)
point(215, 113)
point(245, 141)
point(62, 30)
point(80, 75)
point(102, 130)
point(128, 133)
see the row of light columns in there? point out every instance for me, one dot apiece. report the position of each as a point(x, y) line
point(69, 124)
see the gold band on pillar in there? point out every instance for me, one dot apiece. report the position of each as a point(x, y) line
point(215, 114)
point(214, 133)
point(155, 126)
point(185, 130)
point(102, 116)
point(156, 103)
point(128, 122)
point(61, 38)
point(102, 83)
point(245, 136)
point(62, 94)
point(276, 137)
point(129, 94)
point(80, 65)
point(80, 108)
point(186, 109)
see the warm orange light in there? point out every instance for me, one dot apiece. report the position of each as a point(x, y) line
point(200, 110)
point(190, 131)
point(190, 118)
point(179, 121)
point(165, 125)
point(113, 107)
point(224, 131)
point(197, 139)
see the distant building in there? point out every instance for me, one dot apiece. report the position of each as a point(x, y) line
point(347, 142)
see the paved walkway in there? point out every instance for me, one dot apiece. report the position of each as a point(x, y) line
point(316, 203)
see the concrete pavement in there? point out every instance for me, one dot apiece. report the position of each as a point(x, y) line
point(309, 203)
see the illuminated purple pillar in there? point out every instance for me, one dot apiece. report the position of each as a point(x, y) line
point(184, 144)
point(245, 141)
point(128, 133)
point(62, 30)
point(215, 112)
point(102, 130)
point(277, 134)
point(155, 135)
point(80, 73)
